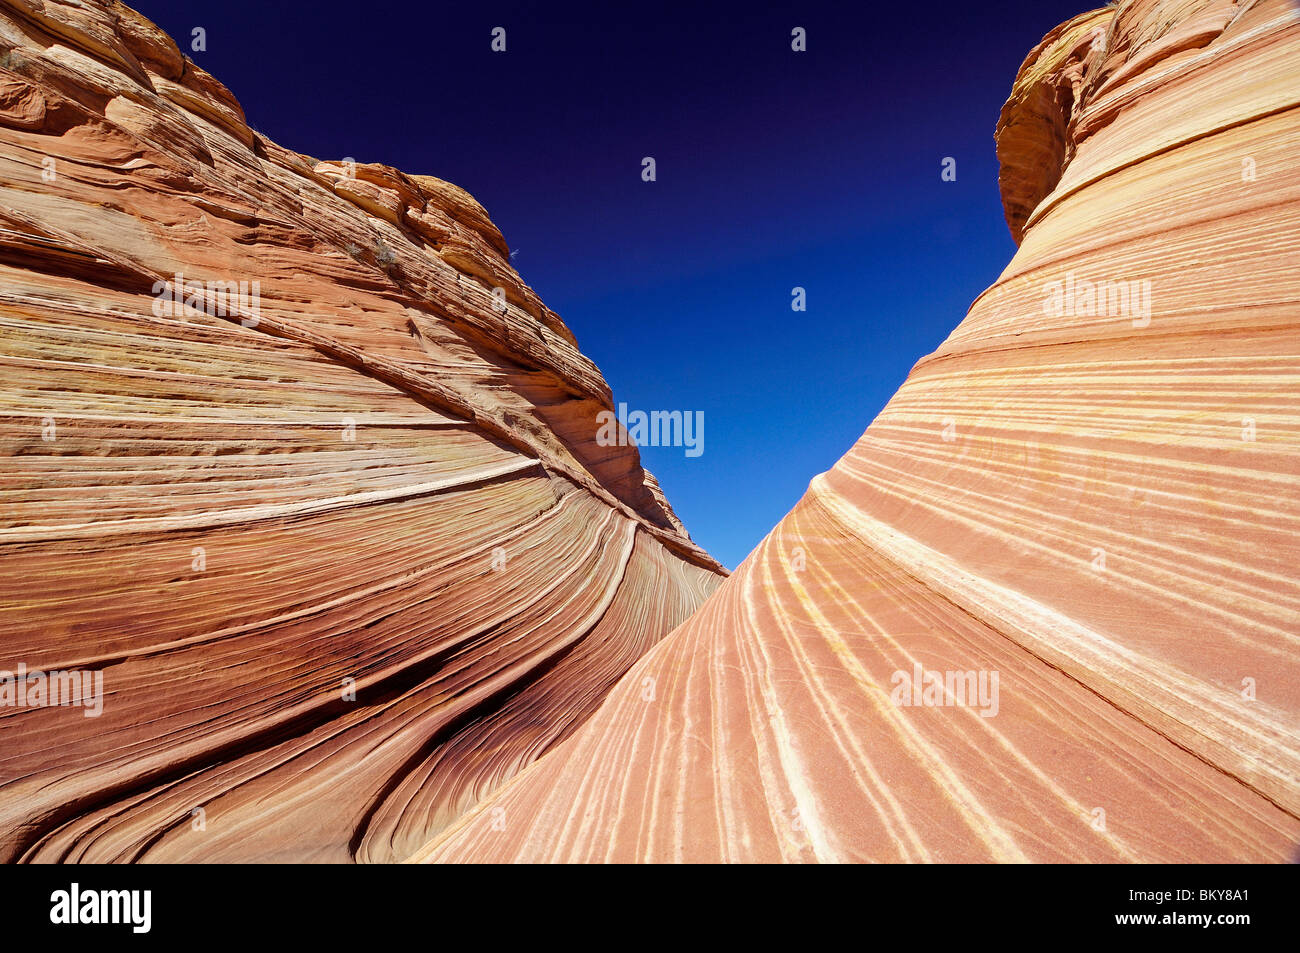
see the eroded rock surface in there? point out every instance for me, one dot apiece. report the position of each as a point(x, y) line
point(342, 545)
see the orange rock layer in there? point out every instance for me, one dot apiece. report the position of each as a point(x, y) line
point(345, 554)
point(1097, 503)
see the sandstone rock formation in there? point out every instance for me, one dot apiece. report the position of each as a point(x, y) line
point(341, 544)
point(1096, 500)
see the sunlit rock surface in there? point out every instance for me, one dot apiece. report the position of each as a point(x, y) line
point(347, 555)
point(1100, 505)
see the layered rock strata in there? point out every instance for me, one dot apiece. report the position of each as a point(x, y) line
point(297, 465)
point(1081, 513)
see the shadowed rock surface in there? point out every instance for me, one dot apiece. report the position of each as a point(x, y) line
point(1100, 504)
point(378, 477)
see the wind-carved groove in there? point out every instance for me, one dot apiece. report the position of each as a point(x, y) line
point(485, 708)
point(374, 696)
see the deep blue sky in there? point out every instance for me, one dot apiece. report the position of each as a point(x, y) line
point(775, 169)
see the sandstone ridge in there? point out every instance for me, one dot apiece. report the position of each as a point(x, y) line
point(297, 464)
point(1090, 491)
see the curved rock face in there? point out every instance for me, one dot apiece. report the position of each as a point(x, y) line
point(295, 468)
point(1048, 607)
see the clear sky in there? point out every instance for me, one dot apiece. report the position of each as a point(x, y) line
point(774, 169)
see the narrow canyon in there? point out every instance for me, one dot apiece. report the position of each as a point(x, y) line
point(296, 465)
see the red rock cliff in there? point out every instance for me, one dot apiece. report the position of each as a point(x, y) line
point(1091, 491)
point(346, 553)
